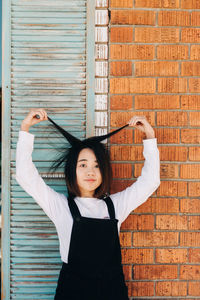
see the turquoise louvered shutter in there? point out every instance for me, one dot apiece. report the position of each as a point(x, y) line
point(48, 57)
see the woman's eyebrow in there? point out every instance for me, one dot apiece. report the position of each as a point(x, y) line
point(84, 159)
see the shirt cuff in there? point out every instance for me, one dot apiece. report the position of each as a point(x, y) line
point(150, 143)
point(26, 137)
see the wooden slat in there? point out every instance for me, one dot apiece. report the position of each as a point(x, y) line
point(50, 3)
point(25, 14)
point(48, 46)
point(36, 8)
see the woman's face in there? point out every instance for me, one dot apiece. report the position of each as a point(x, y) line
point(88, 174)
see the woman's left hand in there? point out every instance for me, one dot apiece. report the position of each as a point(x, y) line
point(141, 123)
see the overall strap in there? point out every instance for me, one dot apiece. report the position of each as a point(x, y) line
point(110, 206)
point(73, 208)
point(76, 213)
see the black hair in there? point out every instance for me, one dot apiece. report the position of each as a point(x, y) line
point(103, 159)
point(70, 157)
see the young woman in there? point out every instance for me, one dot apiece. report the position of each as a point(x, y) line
point(88, 220)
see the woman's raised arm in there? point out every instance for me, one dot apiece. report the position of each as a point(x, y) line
point(27, 174)
point(148, 181)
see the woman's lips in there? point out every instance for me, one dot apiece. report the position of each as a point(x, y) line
point(90, 180)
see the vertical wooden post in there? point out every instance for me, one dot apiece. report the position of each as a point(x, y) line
point(6, 94)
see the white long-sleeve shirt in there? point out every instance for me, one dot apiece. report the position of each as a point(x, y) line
point(55, 204)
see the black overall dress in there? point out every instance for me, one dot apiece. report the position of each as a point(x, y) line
point(94, 269)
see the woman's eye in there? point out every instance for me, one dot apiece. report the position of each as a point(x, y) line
point(97, 166)
point(82, 165)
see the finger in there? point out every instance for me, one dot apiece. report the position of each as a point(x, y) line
point(38, 115)
point(45, 114)
point(42, 112)
point(46, 117)
point(137, 117)
point(137, 120)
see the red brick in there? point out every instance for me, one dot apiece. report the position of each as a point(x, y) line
point(171, 256)
point(190, 205)
point(121, 118)
point(138, 222)
point(120, 185)
point(127, 270)
point(190, 171)
point(195, 16)
point(194, 85)
point(122, 137)
point(164, 136)
point(122, 170)
point(190, 136)
point(132, 85)
point(195, 52)
point(137, 256)
point(189, 102)
point(157, 3)
point(190, 4)
point(172, 85)
point(194, 189)
point(190, 239)
point(130, 153)
point(190, 35)
point(189, 272)
point(121, 34)
point(156, 68)
point(173, 18)
point(169, 171)
point(156, 35)
point(121, 102)
point(157, 102)
point(139, 136)
point(194, 153)
point(176, 52)
point(194, 118)
point(170, 222)
point(155, 272)
point(171, 288)
point(137, 169)
point(155, 239)
point(173, 153)
point(140, 289)
point(132, 51)
point(125, 239)
point(166, 170)
point(194, 255)
point(194, 288)
point(172, 118)
point(121, 3)
point(172, 188)
point(130, 17)
point(194, 222)
point(121, 68)
point(187, 299)
point(190, 68)
point(159, 205)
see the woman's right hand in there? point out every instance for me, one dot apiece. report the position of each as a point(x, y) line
point(31, 119)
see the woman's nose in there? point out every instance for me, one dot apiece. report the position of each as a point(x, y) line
point(90, 171)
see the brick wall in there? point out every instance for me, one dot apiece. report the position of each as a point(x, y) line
point(154, 70)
